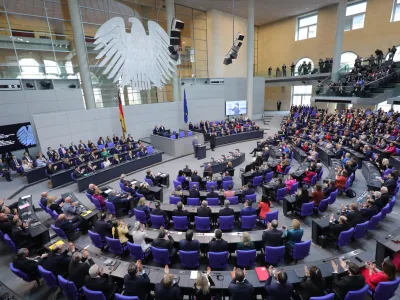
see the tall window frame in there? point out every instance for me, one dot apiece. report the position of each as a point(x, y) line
point(306, 26)
point(355, 15)
point(301, 94)
point(395, 11)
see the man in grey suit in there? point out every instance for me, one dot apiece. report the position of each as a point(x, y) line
point(195, 142)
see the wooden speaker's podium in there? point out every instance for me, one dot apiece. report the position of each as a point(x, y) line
point(201, 151)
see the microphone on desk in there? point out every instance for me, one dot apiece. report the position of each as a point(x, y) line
point(212, 158)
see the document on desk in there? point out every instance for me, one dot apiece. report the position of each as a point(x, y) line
point(108, 191)
point(193, 275)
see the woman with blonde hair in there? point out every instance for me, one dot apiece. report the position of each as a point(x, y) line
point(202, 285)
point(293, 234)
point(246, 243)
point(52, 204)
point(119, 231)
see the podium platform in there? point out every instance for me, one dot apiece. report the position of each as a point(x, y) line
point(201, 151)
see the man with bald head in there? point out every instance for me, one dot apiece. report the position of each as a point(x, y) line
point(44, 197)
point(91, 189)
point(70, 207)
point(68, 224)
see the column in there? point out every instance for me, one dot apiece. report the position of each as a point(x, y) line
point(341, 18)
point(250, 57)
point(169, 6)
point(80, 47)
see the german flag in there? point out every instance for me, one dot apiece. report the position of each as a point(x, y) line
point(121, 116)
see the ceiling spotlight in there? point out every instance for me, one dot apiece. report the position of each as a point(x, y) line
point(233, 54)
point(72, 86)
point(227, 60)
point(239, 36)
point(29, 85)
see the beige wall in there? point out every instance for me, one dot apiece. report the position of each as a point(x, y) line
point(275, 93)
point(277, 45)
point(219, 41)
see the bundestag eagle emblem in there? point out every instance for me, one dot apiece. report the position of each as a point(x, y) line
point(135, 58)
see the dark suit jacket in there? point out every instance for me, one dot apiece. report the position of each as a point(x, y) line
point(218, 245)
point(28, 266)
point(249, 192)
point(171, 293)
point(14, 165)
point(103, 228)
point(20, 237)
point(309, 289)
point(337, 228)
point(43, 201)
point(226, 211)
point(353, 218)
point(164, 244)
point(65, 225)
point(347, 284)
point(382, 201)
point(6, 228)
point(241, 290)
point(369, 212)
point(203, 211)
point(77, 271)
point(196, 178)
point(248, 211)
point(193, 245)
point(279, 291)
point(101, 284)
point(137, 286)
point(391, 185)
point(180, 213)
point(272, 238)
point(159, 212)
point(57, 263)
point(194, 193)
point(212, 195)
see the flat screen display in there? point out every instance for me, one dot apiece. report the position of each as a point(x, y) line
point(16, 137)
point(233, 108)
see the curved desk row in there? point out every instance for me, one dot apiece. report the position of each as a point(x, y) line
point(114, 172)
point(239, 137)
point(222, 279)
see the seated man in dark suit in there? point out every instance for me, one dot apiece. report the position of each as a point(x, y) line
point(179, 212)
point(187, 171)
point(204, 210)
point(78, 268)
point(98, 281)
point(189, 244)
point(155, 179)
point(329, 188)
point(248, 210)
point(272, 236)
point(195, 177)
point(279, 289)
point(20, 235)
point(249, 191)
point(167, 289)
point(27, 265)
point(369, 210)
point(208, 171)
point(58, 260)
point(239, 287)
point(137, 282)
point(217, 244)
point(226, 211)
point(68, 224)
point(227, 177)
point(336, 227)
point(212, 193)
point(164, 241)
point(79, 172)
point(159, 212)
point(121, 201)
point(193, 192)
point(103, 227)
point(353, 215)
point(16, 164)
point(5, 224)
point(381, 198)
point(351, 282)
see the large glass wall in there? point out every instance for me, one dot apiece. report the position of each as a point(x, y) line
point(36, 41)
point(193, 61)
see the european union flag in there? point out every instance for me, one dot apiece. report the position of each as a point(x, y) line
point(185, 108)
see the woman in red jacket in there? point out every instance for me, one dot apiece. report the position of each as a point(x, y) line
point(309, 175)
point(391, 149)
point(341, 180)
point(98, 196)
point(373, 276)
